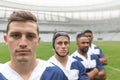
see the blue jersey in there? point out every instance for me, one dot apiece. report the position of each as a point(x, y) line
point(95, 50)
point(74, 70)
point(43, 71)
point(89, 63)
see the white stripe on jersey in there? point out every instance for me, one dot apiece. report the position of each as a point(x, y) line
point(11, 74)
point(71, 73)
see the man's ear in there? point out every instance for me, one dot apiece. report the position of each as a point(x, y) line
point(76, 42)
point(5, 38)
point(39, 40)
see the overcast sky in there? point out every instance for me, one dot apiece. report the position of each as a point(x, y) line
point(61, 2)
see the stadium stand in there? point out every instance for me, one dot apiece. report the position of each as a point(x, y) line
point(103, 19)
point(1, 37)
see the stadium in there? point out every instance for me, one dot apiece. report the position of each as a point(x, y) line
point(102, 18)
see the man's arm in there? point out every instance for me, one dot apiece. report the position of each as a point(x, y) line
point(103, 60)
point(92, 73)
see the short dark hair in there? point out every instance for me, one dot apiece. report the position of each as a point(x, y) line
point(87, 31)
point(58, 34)
point(80, 35)
point(23, 16)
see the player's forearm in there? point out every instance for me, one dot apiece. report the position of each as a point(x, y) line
point(92, 73)
point(103, 61)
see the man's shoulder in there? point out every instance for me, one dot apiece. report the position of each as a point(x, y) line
point(74, 53)
point(45, 63)
point(1, 64)
point(4, 66)
point(2, 77)
point(94, 45)
point(52, 71)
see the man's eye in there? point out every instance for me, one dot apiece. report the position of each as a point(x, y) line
point(59, 43)
point(30, 36)
point(15, 36)
point(66, 43)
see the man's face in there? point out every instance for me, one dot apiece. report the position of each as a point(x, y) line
point(83, 44)
point(62, 45)
point(89, 35)
point(22, 40)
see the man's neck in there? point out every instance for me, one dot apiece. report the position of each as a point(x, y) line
point(24, 69)
point(62, 60)
point(83, 54)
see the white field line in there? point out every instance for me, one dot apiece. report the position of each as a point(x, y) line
point(113, 68)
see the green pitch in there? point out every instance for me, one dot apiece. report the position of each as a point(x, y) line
point(110, 49)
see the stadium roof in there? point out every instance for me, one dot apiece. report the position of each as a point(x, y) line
point(66, 9)
point(63, 5)
point(63, 2)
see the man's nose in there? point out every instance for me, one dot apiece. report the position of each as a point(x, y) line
point(63, 45)
point(23, 42)
point(86, 44)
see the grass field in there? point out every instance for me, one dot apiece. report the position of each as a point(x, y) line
point(110, 49)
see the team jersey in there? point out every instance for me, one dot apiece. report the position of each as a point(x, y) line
point(43, 71)
point(74, 70)
point(89, 63)
point(95, 50)
point(1, 64)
